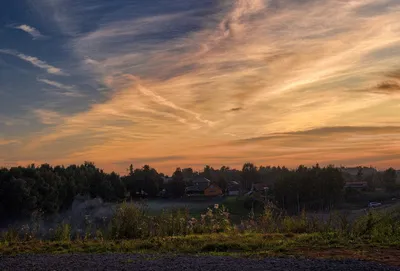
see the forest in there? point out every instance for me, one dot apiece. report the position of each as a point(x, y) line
point(51, 190)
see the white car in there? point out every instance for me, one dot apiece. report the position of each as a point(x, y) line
point(374, 204)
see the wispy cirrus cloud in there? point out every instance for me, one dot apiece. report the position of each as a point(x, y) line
point(30, 30)
point(68, 91)
point(48, 117)
point(4, 142)
point(146, 160)
point(251, 68)
point(326, 131)
point(35, 62)
point(55, 84)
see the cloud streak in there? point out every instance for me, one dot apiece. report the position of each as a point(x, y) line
point(4, 142)
point(47, 117)
point(69, 91)
point(326, 131)
point(30, 30)
point(272, 75)
point(35, 62)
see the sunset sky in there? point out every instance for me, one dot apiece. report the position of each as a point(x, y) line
point(192, 82)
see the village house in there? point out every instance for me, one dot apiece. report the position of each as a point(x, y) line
point(356, 185)
point(233, 188)
point(213, 191)
point(167, 179)
point(198, 186)
point(360, 177)
point(203, 187)
point(258, 191)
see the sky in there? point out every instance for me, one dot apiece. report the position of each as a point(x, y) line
point(188, 83)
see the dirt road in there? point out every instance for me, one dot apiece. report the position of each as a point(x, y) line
point(178, 263)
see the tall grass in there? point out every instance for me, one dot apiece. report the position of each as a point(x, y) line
point(132, 221)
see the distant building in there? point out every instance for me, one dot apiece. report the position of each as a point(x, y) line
point(200, 184)
point(356, 185)
point(166, 179)
point(258, 189)
point(233, 188)
point(213, 191)
point(353, 171)
point(369, 176)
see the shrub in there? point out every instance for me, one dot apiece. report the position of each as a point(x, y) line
point(63, 232)
point(128, 222)
point(268, 222)
point(295, 224)
point(11, 235)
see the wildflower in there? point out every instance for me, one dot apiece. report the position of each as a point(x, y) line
point(25, 228)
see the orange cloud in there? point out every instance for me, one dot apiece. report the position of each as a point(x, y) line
point(257, 68)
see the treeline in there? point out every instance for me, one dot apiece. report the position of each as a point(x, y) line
point(309, 188)
point(50, 190)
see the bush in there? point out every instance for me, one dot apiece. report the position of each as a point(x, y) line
point(294, 224)
point(63, 232)
point(378, 227)
point(133, 222)
point(268, 221)
point(129, 222)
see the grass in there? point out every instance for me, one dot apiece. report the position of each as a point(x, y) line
point(373, 236)
point(244, 245)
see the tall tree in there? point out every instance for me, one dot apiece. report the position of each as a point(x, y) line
point(250, 175)
point(177, 186)
point(389, 179)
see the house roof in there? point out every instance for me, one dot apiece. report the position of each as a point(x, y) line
point(356, 184)
point(198, 186)
point(213, 185)
point(194, 188)
point(259, 186)
point(233, 186)
point(201, 180)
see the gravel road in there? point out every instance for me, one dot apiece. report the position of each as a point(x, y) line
point(177, 263)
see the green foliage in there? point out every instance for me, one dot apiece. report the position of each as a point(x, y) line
point(311, 188)
point(11, 235)
point(214, 231)
point(389, 179)
point(267, 222)
point(215, 220)
point(250, 175)
point(63, 232)
point(51, 190)
point(177, 186)
point(134, 222)
point(378, 226)
point(299, 224)
point(129, 222)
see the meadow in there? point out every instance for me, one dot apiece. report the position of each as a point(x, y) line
point(133, 228)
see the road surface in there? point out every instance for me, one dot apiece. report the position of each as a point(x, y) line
point(178, 263)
